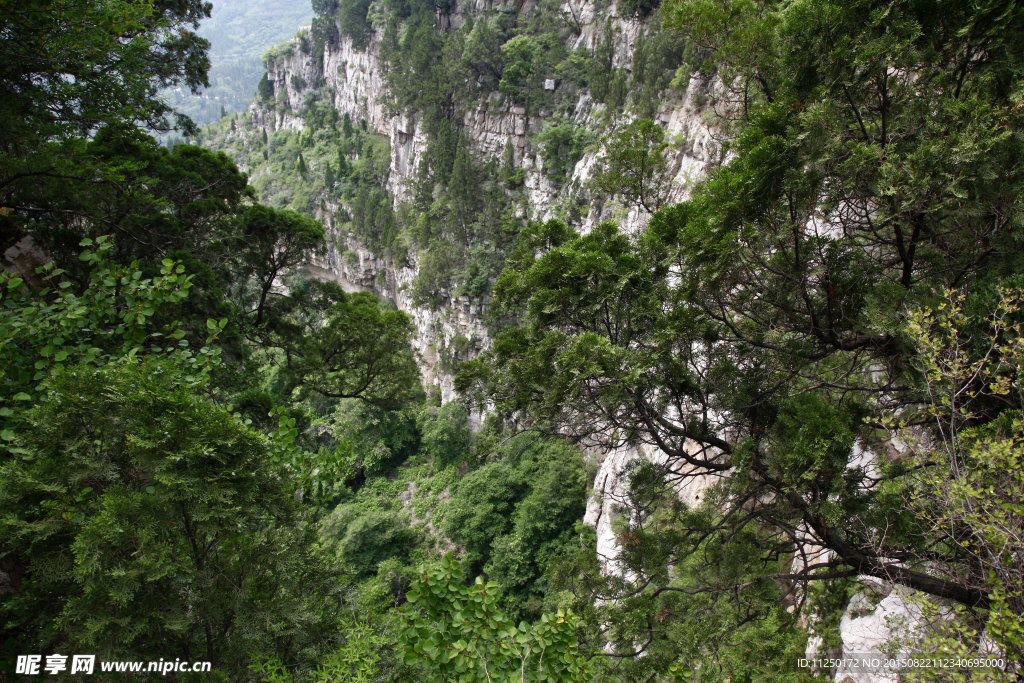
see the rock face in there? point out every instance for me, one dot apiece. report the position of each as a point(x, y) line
point(356, 78)
point(456, 330)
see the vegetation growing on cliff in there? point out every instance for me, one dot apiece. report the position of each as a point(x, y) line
point(170, 379)
point(209, 453)
point(759, 329)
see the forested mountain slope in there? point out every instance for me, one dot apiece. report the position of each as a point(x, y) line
point(325, 396)
point(482, 118)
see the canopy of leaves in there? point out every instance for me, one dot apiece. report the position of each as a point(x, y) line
point(757, 329)
point(151, 523)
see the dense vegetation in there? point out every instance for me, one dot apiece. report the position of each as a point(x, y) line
point(194, 435)
point(760, 330)
point(207, 454)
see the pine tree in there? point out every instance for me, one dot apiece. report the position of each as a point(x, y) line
point(264, 136)
point(343, 167)
point(600, 66)
point(424, 186)
point(508, 163)
point(300, 165)
point(462, 189)
point(346, 126)
point(329, 177)
point(223, 111)
point(462, 184)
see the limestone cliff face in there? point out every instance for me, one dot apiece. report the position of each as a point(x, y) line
point(356, 78)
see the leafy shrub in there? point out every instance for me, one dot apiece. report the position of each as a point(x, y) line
point(638, 8)
point(563, 146)
point(380, 439)
point(445, 433)
point(364, 539)
point(515, 514)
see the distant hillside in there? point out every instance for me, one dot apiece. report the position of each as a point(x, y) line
point(239, 31)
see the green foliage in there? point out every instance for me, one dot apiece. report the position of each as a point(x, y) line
point(758, 329)
point(45, 332)
point(519, 54)
point(340, 345)
point(564, 145)
point(51, 51)
point(975, 489)
point(656, 58)
point(356, 660)
point(380, 438)
point(272, 243)
point(515, 514)
point(139, 516)
point(434, 281)
point(363, 539)
point(445, 433)
point(599, 69)
point(635, 165)
point(151, 523)
point(638, 8)
point(456, 630)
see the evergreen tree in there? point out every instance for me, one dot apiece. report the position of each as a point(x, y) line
point(463, 191)
point(328, 176)
point(424, 186)
point(507, 171)
point(600, 69)
point(346, 126)
point(264, 136)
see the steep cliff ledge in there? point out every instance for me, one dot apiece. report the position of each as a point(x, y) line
point(357, 83)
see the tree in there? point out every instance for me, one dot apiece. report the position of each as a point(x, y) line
point(150, 524)
point(482, 52)
point(271, 244)
point(515, 514)
point(563, 147)
point(635, 165)
point(43, 332)
point(600, 67)
point(328, 176)
point(339, 345)
point(72, 68)
point(265, 91)
point(968, 482)
point(453, 629)
point(464, 190)
point(757, 329)
point(353, 22)
point(80, 64)
point(519, 54)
